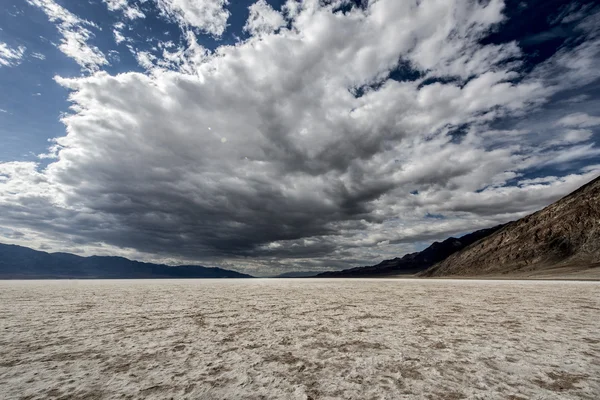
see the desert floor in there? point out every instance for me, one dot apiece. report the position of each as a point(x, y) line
point(300, 339)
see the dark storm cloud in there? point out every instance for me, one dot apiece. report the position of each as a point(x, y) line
point(260, 157)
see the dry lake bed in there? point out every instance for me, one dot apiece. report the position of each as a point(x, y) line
point(299, 339)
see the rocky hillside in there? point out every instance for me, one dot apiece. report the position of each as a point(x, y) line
point(414, 262)
point(564, 235)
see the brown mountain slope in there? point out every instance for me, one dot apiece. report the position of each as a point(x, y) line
point(565, 236)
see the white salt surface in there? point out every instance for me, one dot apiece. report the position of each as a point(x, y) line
point(300, 339)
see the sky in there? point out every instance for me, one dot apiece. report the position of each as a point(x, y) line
point(277, 136)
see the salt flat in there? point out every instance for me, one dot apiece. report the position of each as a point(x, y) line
point(300, 339)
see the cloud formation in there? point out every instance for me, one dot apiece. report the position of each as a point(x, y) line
point(263, 19)
point(209, 16)
point(579, 120)
point(342, 136)
point(75, 35)
point(9, 56)
point(129, 11)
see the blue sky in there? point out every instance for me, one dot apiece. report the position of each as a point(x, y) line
point(276, 135)
point(31, 119)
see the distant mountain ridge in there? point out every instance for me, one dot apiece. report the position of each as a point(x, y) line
point(563, 237)
point(414, 262)
point(297, 274)
point(18, 262)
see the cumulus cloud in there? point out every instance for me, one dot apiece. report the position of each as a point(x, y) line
point(9, 56)
point(209, 16)
point(298, 149)
point(263, 19)
point(75, 35)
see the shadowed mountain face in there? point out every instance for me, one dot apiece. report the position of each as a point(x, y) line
point(297, 274)
point(563, 236)
point(18, 262)
point(414, 262)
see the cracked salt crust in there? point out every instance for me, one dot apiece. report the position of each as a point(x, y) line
point(300, 339)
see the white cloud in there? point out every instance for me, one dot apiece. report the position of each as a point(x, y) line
point(577, 135)
point(263, 19)
point(75, 35)
point(184, 59)
point(292, 8)
point(579, 120)
point(145, 59)
point(133, 13)
point(39, 56)
point(209, 16)
point(575, 67)
point(130, 11)
point(115, 5)
point(578, 98)
point(309, 174)
point(10, 57)
point(118, 32)
point(114, 56)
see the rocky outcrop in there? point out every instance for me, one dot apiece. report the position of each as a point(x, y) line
point(565, 234)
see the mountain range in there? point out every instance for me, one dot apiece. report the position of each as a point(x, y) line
point(561, 238)
point(297, 274)
point(414, 262)
point(17, 262)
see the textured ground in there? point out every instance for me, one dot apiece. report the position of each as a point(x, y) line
point(300, 339)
